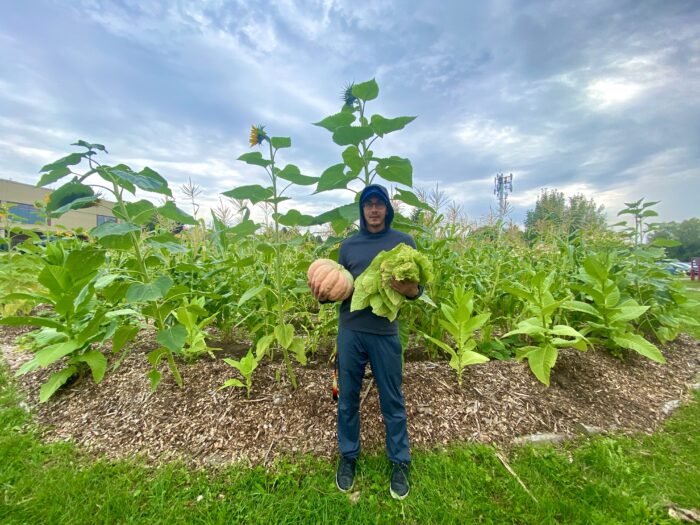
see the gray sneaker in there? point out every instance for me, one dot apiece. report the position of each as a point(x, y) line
point(399, 487)
point(345, 475)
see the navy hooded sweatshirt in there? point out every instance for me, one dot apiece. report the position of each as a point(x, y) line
point(356, 254)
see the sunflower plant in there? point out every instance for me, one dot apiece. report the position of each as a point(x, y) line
point(353, 128)
point(282, 333)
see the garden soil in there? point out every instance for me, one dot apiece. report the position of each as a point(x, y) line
point(497, 402)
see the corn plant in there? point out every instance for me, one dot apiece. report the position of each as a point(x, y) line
point(458, 320)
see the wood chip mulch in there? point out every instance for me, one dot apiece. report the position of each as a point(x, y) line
point(497, 402)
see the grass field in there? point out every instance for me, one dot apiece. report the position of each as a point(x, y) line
point(694, 288)
point(613, 479)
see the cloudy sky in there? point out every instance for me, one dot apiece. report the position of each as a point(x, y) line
point(594, 97)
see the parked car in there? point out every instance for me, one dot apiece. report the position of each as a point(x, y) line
point(676, 267)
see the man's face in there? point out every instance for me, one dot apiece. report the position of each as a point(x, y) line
point(374, 210)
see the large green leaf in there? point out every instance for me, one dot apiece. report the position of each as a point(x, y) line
point(346, 212)
point(382, 126)
point(53, 353)
point(85, 261)
point(115, 235)
point(566, 331)
point(353, 159)
point(336, 121)
point(412, 199)
point(172, 338)
point(468, 357)
point(595, 269)
point(139, 212)
point(579, 306)
point(281, 142)
point(244, 228)
point(255, 158)
point(67, 197)
point(292, 174)
point(447, 348)
point(628, 313)
point(665, 243)
point(298, 348)
point(35, 298)
point(366, 90)
point(145, 292)
point(146, 179)
point(172, 212)
point(250, 293)
point(89, 145)
point(53, 175)
point(253, 192)
point(77, 204)
point(97, 363)
point(169, 247)
point(541, 360)
point(333, 178)
point(345, 135)
point(55, 278)
point(284, 335)
point(295, 218)
point(59, 169)
point(56, 381)
point(123, 336)
point(640, 345)
point(396, 169)
point(21, 320)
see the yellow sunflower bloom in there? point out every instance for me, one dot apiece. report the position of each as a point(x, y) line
point(257, 135)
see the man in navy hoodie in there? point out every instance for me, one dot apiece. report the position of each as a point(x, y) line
point(362, 337)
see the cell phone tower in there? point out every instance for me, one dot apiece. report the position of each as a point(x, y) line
point(502, 186)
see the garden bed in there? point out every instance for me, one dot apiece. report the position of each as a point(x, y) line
point(498, 402)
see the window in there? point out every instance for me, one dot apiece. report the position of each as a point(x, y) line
point(25, 213)
point(105, 218)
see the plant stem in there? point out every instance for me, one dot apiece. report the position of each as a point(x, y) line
point(278, 265)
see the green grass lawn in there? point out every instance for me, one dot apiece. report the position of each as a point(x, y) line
point(694, 293)
point(603, 480)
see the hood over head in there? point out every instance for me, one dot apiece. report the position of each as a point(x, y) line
point(376, 190)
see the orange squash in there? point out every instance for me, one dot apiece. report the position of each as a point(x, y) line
point(335, 280)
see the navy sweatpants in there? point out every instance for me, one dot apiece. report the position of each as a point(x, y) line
point(384, 354)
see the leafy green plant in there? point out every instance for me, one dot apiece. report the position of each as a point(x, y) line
point(609, 314)
point(78, 323)
point(542, 309)
point(149, 285)
point(352, 128)
point(272, 196)
point(188, 315)
point(246, 366)
point(459, 321)
point(643, 276)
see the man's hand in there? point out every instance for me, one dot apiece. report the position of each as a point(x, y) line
point(317, 292)
point(407, 288)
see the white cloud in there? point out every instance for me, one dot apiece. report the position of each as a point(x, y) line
point(505, 142)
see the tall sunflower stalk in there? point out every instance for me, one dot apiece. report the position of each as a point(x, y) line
point(283, 333)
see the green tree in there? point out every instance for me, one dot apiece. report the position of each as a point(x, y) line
point(554, 215)
point(686, 232)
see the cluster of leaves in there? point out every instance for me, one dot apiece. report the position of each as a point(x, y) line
point(373, 286)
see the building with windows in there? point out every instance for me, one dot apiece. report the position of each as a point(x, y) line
point(20, 200)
